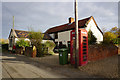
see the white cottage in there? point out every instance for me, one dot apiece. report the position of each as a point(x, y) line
point(61, 34)
point(16, 35)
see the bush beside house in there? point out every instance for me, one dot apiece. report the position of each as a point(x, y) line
point(91, 38)
point(36, 40)
point(20, 46)
point(22, 43)
point(50, 46)
point(112, 36)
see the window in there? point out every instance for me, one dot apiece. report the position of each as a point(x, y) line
point(60, 43)
point(10, 42)
point(56, 35)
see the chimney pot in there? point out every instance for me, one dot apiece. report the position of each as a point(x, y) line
point(71, 20)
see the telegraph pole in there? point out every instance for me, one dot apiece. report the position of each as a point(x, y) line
point(13, 30)
point(13, 22)
point(76, 36)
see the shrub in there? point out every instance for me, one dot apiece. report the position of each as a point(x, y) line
point(91, 38)
point(50, 46)
point(36, 40)
point(109, 37)
point(116, 41)
point(22, 43)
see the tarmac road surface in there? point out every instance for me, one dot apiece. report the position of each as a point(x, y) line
point(20, 66)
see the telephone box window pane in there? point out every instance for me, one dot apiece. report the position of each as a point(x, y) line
point(84, 43)
point(84, 46)
point(84, 37)
point(84, 52)
point(84, 49)
point(84, 59)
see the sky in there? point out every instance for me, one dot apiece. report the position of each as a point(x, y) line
point(44, 15)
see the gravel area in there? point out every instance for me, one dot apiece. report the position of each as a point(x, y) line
point(107, 67)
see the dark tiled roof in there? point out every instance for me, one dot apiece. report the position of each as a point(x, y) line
point(22, 34)
point(68, 26)
point(25, 34)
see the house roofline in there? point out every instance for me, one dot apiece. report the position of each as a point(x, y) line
point(96, 24)
point(89, 19)
point(13, 33)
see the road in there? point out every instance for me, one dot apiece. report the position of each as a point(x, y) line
point(20, 66)
point(13, 67)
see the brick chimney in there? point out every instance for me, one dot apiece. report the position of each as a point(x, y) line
point(71, 20)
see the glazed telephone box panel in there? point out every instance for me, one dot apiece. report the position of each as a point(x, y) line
point(83, 47)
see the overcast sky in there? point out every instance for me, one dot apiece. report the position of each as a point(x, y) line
point(44, 15)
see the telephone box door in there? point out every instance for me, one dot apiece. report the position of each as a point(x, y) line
point(83, 47)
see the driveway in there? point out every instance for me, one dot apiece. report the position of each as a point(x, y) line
point(20, 66)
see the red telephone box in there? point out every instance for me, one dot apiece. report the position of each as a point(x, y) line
point(83, 47)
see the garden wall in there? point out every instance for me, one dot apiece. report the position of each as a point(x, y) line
point(28, 51)
point(97, 52)
point(119, 50)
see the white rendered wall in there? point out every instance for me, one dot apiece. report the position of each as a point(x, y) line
point(26, 39)
point(64, 37)
point(52, 35)
point(16, 39)
point(91, 26)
